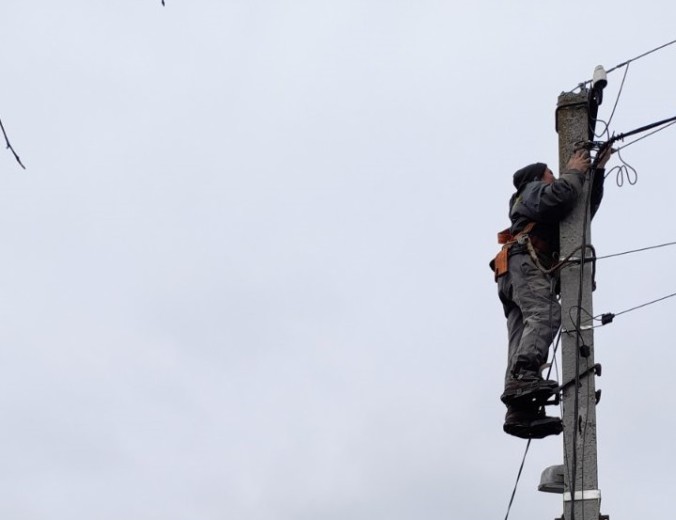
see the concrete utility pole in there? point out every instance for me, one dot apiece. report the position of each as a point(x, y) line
point(581, 498)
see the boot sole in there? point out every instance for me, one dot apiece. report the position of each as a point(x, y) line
point(526, 396)
point(537, 429)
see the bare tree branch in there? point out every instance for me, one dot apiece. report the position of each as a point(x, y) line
point(9, 146)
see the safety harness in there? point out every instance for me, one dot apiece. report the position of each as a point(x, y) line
point(500, 264)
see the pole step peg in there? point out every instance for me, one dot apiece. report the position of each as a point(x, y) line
point(596, 369)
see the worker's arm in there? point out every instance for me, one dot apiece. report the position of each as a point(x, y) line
point(552, 202)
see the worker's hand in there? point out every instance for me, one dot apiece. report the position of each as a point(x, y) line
point(603, 159)
point(579, 161)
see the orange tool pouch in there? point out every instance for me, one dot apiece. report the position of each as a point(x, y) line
point(500, 263)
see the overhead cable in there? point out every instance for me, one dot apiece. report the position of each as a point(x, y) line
point(625, 63)
point(609, 316)
point(644, 128)
point(666, 244)
point(647, 135)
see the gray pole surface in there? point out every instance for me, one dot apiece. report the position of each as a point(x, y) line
point(581, 496)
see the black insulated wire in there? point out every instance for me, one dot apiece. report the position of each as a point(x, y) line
point(518, 477)
point(647, 135)
point(644, 128)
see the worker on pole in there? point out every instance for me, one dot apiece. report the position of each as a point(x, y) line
point(525, 271)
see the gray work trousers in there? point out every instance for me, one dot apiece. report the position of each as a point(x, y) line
point(533, 315)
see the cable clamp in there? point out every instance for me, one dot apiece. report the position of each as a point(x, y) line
point(587, 494)
point(578, 329)
point(578, 260)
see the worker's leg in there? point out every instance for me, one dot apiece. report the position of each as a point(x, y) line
point(533, 317)
point(541, 314)
point(514, 321)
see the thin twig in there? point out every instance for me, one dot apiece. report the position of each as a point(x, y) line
point(9, 146)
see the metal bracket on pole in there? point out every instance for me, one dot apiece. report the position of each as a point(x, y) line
point(596, 370)
point(579, 329)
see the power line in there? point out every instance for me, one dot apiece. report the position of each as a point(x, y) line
point(646, 135)
point(641, 56)
point(625, 63)
point(609, 316)
point(666, 244)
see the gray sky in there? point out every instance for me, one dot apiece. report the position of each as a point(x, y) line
point(245, 275)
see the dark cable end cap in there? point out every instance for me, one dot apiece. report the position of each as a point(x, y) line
point(607, 318)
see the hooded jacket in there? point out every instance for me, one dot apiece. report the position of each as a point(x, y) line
point(546, 205)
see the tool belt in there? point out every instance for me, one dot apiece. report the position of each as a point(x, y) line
point(500, 264)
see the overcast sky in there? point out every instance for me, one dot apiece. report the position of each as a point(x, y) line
point(245, 273)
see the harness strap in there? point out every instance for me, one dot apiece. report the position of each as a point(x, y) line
point(506, 238)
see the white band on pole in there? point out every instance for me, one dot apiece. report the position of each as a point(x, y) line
point(587, 494)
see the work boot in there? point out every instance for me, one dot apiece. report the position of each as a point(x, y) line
point(531, 423)
point(528, 390)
